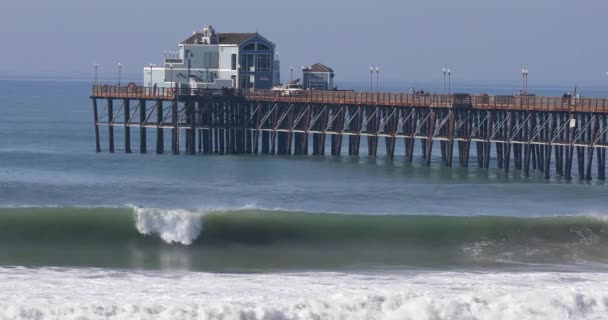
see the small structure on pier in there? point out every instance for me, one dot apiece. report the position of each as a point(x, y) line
point(318, 77)
point(210, 60)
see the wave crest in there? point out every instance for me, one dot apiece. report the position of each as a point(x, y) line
point(172, 226)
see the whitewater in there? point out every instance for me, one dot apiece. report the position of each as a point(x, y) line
point(101, 294)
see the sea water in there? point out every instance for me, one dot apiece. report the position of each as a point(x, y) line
point(131, 236)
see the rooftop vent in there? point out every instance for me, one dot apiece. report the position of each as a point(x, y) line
point(208, 36)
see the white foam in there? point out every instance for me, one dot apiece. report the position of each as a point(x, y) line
point(172, 226)
point(108, 294)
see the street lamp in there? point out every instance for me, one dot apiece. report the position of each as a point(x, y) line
point(309, 68)
point(449, 81)
point(371, 79)
point(444, 72)
point(304, 82)
point(291, 70)
point(524, 75)
point(119, 73)
point(96, 74)
point(377, 79)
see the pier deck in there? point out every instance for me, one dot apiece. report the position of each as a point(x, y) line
point(532, 133)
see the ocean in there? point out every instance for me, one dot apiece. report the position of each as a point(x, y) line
point(144, 236)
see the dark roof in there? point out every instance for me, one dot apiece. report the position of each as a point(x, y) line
point(223, 38)
point(317, 67)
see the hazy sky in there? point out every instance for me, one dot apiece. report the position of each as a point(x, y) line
point(561, 42)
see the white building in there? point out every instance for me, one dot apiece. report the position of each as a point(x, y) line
point(218, 60)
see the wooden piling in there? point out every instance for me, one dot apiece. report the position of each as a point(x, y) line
point(127, 136)
point(160, 143)
point(430, 134)
point(110, 125)
point(488, 142)
point(450, 142)
point(96, 123)
point(175, 130)
point(509, 138)
point(143, 148)
point(192, 139)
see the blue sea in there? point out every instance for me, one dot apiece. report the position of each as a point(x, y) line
point(86, 235)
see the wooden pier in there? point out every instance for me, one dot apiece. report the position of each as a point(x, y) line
point(525, 133)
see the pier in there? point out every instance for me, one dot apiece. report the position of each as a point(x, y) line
point(522, 133)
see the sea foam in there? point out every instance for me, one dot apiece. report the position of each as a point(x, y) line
point(171, 225)
point(110, 294)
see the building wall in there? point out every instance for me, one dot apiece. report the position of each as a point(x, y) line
point(205, 65)
point(249, 72)
point(154, 76)
point(317, 80)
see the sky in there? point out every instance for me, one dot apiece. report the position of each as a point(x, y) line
point(482, 41)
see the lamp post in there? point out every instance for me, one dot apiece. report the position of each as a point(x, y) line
point(449, 81)
point(377, 79)
point(96, 73)
point(309, 68)
point(444, 72)
point(524, 75)
point(371, 79)
point(304, 82)
point(291, 70)
point(119, 73)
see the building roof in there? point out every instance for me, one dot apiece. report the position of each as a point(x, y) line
point(223, 38)
point(318, 67)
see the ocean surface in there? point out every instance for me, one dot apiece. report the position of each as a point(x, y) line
point(131, 236)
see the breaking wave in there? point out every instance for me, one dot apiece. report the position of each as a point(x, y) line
point(173, 226)
point(250, 238)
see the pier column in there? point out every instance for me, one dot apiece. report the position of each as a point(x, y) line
point(429, 135)
point(175, 130)
point(409, 149)
point(464, 147)
point(142, 129)
point(548, 146)
point(127, 110)
point(110, 123)
point(95, 122)
point(488, 143)
point(336, 139)
point(450, 142)
point(160, 143)
point(591, 147)
point(601, 151)
point(527, 148)
point(507, 146)
point(192, 128)
point(569, 152)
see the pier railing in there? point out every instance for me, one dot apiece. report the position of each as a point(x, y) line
point(488, 102)
point(132, 92)
point(484, 102)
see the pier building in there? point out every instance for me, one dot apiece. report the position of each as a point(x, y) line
point(318, 77)
point(211, 60)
